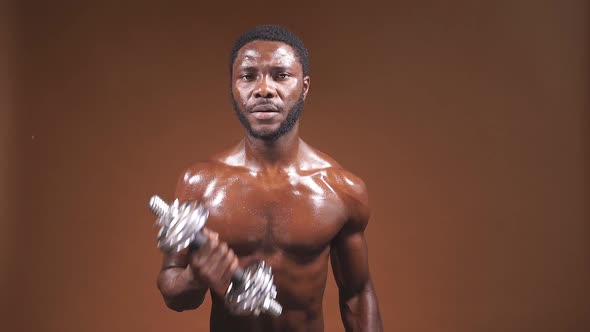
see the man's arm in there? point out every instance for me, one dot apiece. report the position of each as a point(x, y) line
point(186, 276)
point(358, 302)
point(177, 283)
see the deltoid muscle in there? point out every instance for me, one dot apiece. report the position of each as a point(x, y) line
point(251, 290)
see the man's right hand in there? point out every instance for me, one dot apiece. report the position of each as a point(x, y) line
point(213, 264)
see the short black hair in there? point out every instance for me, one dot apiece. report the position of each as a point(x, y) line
point(271, 33)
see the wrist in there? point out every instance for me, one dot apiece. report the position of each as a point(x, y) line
point(190, 278)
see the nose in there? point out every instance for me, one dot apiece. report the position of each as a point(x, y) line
point(264, 89)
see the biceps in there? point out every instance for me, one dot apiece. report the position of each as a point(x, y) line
point(350, 262)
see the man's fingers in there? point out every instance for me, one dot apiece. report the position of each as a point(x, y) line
point(210, 245)
point(201, 255)
point(209, 233)
point(216, 258)
point(214, 263)
point(231, 266)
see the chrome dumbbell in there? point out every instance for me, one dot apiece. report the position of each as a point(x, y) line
point(251, 290)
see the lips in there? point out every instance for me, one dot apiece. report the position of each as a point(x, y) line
point(264, 108)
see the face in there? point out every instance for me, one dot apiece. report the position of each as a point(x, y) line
point(268, 88)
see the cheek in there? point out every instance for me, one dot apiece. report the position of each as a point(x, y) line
point(295, 91)
point(240, 94)
point(287, 91)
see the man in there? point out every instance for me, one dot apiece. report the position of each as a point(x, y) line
point(273, 197)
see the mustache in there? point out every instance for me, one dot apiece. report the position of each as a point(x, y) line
point(263, 103)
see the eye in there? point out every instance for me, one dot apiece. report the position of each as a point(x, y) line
point(247, 77)
point(282, 76)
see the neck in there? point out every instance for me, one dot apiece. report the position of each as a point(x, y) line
point(271, 155)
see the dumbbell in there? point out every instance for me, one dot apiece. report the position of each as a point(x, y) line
point(251, 290)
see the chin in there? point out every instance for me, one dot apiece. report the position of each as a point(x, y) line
point(265, 128)
point(265, 133)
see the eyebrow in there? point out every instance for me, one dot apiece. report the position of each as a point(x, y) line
point(247, 68)
point(252, 68)
point(280, 68)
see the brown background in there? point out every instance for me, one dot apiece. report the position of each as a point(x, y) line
point(467, 119)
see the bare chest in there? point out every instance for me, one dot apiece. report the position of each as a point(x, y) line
point(295, 217)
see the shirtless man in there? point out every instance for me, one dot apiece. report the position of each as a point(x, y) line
point(273, 197)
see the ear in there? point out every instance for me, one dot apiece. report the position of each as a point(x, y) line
point(306, 82)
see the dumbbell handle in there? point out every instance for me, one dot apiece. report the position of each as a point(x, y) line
point(269, 304)
point(274, 308)
point(160, 208)
point(199, 240)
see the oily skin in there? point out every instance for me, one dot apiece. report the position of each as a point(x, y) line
point(277, 199)
point(268, 84)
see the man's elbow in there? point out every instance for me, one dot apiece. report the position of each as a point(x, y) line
point(174, 306)
point(355, 289)
point(180, 306)
point(182, 301)
point(179, 300)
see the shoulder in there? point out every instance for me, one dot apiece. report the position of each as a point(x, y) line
point(352, 191)
point(347, 183)
point(351, 188)
point(194, 179)
point(197, 173)
point(201, 176)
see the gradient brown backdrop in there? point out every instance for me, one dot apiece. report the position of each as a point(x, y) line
point(467, 120)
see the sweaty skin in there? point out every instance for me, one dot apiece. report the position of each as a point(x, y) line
point(280, 201)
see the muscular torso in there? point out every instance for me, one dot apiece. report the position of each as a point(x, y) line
point(288, 218)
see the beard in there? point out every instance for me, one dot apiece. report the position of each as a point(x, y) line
point(286, 126)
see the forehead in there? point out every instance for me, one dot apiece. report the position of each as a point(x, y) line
point(263, 52)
